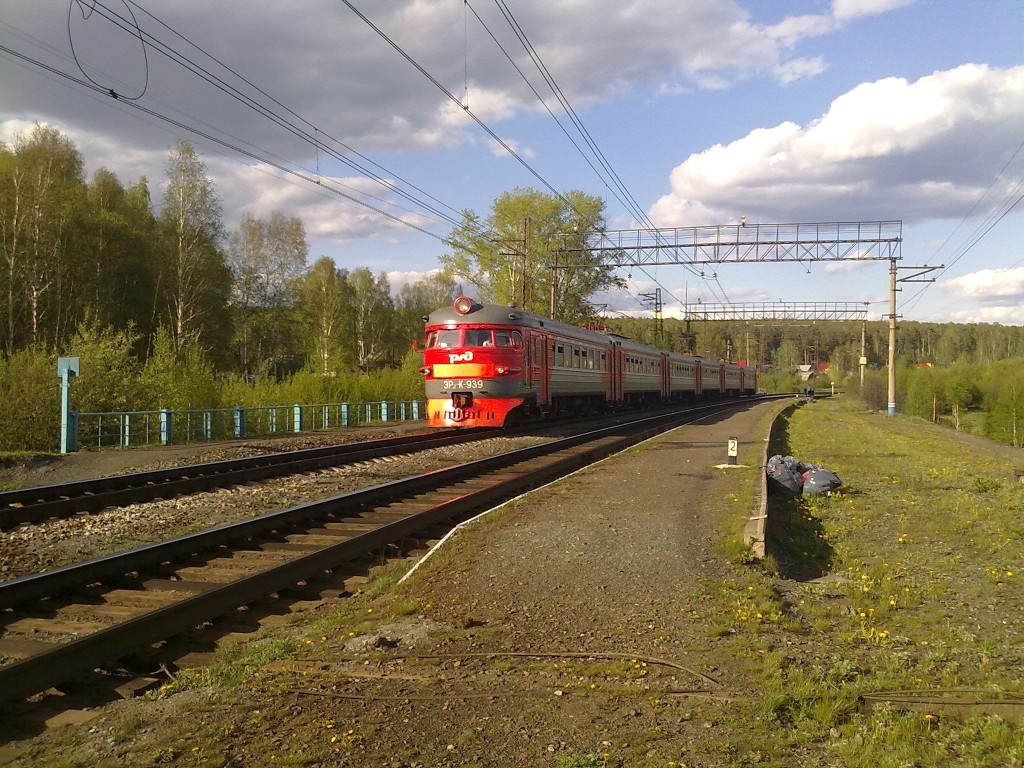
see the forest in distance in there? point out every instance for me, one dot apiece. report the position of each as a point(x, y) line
point(166, 306)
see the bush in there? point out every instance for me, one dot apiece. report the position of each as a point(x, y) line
point(176, 380)
point(875, 392)
point(29, 402)
point(109, 376)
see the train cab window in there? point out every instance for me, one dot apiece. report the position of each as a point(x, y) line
point(443, 339)
point(478, 337)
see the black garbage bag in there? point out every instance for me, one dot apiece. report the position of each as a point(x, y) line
point(819, 481)
point(796, 466)
point(781, 477)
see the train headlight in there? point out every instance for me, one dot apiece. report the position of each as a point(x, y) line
point(464, 305)
point(504, 370)
point(427, 370)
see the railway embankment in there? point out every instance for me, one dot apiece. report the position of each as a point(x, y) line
point(614, 619)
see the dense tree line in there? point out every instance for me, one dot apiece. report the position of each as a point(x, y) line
point(169, 307)
point(78, 253)
point(837, 343)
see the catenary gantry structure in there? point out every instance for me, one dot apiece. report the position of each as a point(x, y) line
point(735, 243)
point(776, 310)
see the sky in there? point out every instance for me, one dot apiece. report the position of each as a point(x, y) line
point(378, 123)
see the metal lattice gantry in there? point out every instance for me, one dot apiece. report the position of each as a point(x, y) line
point(727, 243)
point(777, 310)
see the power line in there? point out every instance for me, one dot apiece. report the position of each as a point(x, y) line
point(997, 214)
point(618, 188)
point(303, 133)
point(219, 141)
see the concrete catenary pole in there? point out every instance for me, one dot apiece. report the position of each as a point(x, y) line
point(891, 411)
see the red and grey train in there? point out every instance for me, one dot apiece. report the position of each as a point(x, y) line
point(491, 366)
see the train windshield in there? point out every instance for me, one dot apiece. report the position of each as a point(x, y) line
point(443, 338)
point(475, 337)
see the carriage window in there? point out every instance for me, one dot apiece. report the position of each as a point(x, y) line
point(560, 355)
point(443, 339)
point(575, 357)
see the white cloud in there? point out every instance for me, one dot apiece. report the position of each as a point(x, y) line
point(850, 9)
point(989, 285)
point(799, 69)
point(884, 150)
point(985, 296)
point(1004, 315)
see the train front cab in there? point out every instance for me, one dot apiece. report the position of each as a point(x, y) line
point(474, 376)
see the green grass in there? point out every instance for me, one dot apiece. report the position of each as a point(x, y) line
point(919, 559)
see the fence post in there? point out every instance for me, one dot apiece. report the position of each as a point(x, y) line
point(67, 369)
point(166, 427)
point(384, 411)
point(272, 419)
point(297, 418)
point(344, 414)
point(207, 425)
point(239, 421)
point(126, 430)
point(415, 410)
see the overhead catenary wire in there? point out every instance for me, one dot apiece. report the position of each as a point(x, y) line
point(313, 138)
point(613, 180)
point(1010, 200)
point(221, 142)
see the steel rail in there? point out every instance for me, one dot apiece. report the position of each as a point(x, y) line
point(66, 661)
point(33, 505)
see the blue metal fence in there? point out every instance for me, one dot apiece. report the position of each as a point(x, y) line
point(127, 429)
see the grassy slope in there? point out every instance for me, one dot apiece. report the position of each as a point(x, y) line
point(907, 580)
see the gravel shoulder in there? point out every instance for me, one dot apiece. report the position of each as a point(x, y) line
point(53, 469)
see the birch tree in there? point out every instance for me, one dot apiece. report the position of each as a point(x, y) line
point(267, 259)
point(326, 300)
point(194, 279)
point(40, 187)
point(512, 256)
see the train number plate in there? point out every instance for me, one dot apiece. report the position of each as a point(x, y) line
point(461, 384)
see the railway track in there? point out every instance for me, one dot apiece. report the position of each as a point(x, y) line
point(61, 625)
point(33, 505)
